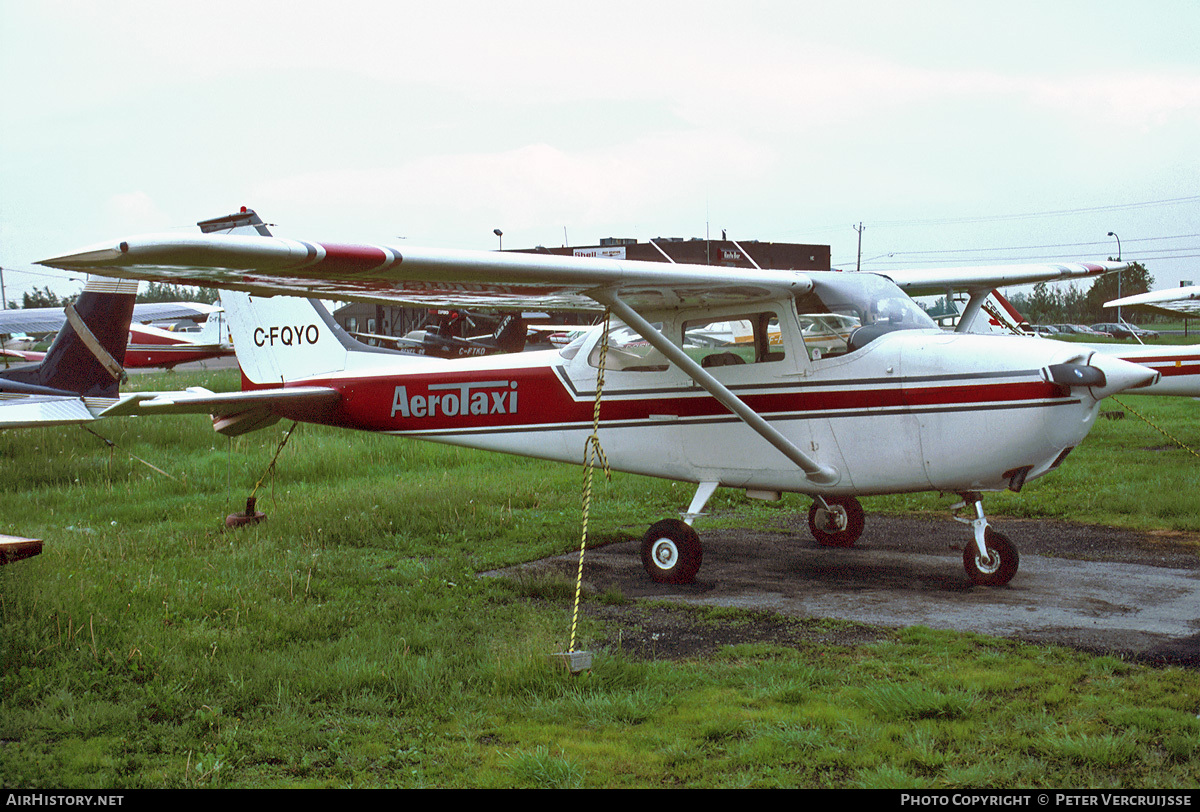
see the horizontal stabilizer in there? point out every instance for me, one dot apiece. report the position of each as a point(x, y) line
point(38, 410)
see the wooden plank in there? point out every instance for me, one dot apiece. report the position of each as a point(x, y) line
point(14, 548)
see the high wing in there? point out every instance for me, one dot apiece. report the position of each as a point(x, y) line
point(432, 277)
point(423, 277)
point(934, 281)
point(1172, 301)
point(981, 283)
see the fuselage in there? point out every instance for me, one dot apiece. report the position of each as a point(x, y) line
point(911, 410)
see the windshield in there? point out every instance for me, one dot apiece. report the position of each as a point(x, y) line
point(845, 312)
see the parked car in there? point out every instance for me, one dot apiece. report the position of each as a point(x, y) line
point(1125, 330)
point(1113, 329)
point(1082, 330)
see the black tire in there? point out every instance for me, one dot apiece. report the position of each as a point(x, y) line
point(855, 522)
point(1002, 566)
point(671, 552)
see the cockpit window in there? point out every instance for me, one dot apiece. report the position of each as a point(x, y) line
point(843, 313)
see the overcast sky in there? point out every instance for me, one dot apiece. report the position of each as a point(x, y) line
point(956, 132)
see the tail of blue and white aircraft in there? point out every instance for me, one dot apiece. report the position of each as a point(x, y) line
point(87, 355)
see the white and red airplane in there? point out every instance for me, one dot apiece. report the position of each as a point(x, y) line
point(151, 346)
point(147, 346)
point(878, 401)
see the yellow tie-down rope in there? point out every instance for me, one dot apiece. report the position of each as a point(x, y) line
point(1160, 429)
point(593, 454)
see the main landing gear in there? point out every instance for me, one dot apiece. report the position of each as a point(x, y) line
point(672, 553)
point(836, 521)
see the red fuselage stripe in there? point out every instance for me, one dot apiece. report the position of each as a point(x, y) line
point(526, 398)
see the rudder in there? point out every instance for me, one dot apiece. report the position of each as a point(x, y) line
point(88, 353)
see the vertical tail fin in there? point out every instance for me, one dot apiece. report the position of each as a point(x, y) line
point(280, 339)
point(510, 335)
point(245, 221)
point(87, 355)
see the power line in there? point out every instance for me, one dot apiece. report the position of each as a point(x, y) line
point(1141, 257)
point(1033, 215)
point(1101, 243)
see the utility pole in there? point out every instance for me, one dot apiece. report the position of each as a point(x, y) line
point(3, 299)
point(859, 228)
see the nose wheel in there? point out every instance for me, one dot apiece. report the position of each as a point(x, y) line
point(1000, 565)
point(991, 560)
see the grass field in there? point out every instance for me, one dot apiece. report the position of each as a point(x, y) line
point(346, 642)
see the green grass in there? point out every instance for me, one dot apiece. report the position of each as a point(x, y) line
point(347, 642)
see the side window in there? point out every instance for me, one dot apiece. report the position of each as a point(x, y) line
point(827, 335)
point(628, 351)
point(754, 338)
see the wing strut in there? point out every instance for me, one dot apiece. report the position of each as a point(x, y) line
point(813, 470)
point(972, 310)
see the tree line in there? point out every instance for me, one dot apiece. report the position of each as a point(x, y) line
point(153, 292)
point(1059, 303)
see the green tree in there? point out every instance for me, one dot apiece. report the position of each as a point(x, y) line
point(1135, 280)
point(163, 292)
point(44, 298)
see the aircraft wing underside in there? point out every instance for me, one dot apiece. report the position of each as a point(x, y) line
point(423, 277)
point(431, 278)
point(935, 281)
point(1172, 301)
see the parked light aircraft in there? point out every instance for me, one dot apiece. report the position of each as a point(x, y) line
point(891, 405)
point(440, 337)
point(147, 345)
point(151, 346)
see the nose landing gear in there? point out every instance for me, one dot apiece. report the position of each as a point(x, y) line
point(992, 560)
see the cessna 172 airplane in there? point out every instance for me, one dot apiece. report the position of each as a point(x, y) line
point(847, 388)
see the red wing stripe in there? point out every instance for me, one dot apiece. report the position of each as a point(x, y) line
point(354, 258)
